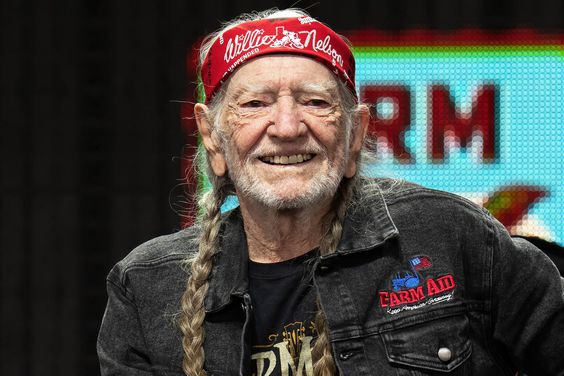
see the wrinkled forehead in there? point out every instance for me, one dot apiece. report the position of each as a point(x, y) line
point(284, 72)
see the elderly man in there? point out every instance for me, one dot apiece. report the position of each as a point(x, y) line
point(320, 271)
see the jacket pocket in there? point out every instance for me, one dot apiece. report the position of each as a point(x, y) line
point(430, 347)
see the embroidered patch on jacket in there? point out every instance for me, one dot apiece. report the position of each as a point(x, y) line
point(410, 292)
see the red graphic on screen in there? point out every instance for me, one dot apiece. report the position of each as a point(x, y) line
point(392, 128)
point(510, 204)
point(445, 121)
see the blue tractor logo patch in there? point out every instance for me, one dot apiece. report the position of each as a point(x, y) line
point(410, 278)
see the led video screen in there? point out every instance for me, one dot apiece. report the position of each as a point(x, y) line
point(474, 113)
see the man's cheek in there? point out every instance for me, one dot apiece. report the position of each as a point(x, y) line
point(237, 146)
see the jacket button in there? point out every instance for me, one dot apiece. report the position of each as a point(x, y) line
point(445, 354)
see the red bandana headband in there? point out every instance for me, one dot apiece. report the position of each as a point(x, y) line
point(302, 35)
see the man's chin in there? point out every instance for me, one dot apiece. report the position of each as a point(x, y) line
point(292, 200)
point(287, 194)
point(297, 203)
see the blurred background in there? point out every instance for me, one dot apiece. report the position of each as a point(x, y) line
point(93, 148)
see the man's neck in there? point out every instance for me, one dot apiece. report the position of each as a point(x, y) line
point(278, 235)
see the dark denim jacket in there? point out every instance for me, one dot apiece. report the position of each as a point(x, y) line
point(423, 283)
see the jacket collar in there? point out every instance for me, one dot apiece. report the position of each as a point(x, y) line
point(367, 225)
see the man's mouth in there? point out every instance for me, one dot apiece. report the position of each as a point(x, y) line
point(286, 159)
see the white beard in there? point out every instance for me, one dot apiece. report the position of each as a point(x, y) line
point(319, 187)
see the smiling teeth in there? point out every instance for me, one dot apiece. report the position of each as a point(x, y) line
point(287, 159)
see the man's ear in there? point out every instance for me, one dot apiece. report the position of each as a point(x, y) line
point(215, 154)
point(357, 140)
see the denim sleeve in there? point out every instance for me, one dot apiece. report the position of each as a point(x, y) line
point(527, 305)
point(121, 346)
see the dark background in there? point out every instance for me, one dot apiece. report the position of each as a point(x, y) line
point(91, 140)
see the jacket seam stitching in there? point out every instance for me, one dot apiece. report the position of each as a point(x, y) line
point(364, 333)
point(492, 245)
point(124, 292)
point(430, 193)
point(151, 263)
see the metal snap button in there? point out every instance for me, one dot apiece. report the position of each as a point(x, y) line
point(445, 354)
point(345, 355)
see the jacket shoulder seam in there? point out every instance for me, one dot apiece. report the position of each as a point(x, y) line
point(432, 193)
point(155, 261)
point(122, 289)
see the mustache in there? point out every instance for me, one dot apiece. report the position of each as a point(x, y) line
point(271, 150)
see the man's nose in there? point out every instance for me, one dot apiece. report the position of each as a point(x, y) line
point(286, 120)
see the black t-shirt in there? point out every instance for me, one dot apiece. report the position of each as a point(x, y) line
point(283, 300)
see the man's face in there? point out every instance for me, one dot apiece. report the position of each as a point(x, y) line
point(286, 142)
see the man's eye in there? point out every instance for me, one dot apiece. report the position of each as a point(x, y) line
point(317, 103)
point(255, 103)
